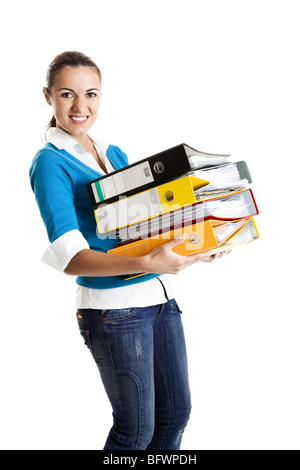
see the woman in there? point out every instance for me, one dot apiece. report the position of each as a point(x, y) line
point(132, 327)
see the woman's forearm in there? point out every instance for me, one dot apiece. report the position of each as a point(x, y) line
point(94, 263)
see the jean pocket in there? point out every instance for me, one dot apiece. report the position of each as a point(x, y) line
point(174, 306)
point(119, 314)
point(87, 340)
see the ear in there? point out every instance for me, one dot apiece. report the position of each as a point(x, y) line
point(47, 96)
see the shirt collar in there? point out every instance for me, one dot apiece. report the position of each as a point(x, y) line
point(62, 140)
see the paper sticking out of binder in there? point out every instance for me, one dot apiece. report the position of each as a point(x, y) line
point(150, 172)
point(229, 176)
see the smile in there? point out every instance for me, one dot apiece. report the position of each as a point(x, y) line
point(79, 119)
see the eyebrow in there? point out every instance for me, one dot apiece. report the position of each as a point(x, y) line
point(70, 89)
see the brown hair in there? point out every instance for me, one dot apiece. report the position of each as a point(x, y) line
point(67, 58)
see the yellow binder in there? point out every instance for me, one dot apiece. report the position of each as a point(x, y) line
point(146, 204)
point(201, 236)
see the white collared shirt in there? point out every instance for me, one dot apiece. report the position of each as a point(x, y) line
point(61, 251)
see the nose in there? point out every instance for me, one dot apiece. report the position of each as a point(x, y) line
point(78, 105)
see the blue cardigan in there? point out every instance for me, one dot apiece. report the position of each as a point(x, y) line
point(58, 180)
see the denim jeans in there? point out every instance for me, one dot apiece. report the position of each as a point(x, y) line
point(141, 356)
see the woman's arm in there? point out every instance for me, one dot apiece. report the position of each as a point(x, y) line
point(162, 260)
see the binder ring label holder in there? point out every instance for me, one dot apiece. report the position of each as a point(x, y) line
point(169, 196)
point(158, 167)
point(194, 239)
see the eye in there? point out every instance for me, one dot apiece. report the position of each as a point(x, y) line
point(91, 94)
point(67, 95)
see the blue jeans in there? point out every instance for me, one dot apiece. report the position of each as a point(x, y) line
point(141, 356)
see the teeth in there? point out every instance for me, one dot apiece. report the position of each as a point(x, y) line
point(75, 118)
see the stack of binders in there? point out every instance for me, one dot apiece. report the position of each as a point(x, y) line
point(181, 190)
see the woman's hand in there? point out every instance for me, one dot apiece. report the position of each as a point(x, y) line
point(163, 260)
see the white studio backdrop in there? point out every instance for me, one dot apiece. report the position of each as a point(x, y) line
point(221, 76)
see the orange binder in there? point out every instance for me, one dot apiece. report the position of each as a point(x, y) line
point(200, 236)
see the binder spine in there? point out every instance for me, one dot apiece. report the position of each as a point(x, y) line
point(140, 176)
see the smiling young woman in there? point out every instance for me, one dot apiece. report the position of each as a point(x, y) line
point(132, 327)
point(76, 108)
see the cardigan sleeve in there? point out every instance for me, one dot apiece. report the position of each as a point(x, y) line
point(52, 186)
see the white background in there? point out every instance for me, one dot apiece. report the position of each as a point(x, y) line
point(223, 77)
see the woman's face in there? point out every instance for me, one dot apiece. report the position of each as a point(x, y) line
point(75, 98)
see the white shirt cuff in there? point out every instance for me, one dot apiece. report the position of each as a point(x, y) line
point(63, 249)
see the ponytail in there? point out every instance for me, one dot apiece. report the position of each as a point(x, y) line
point(52, 123)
